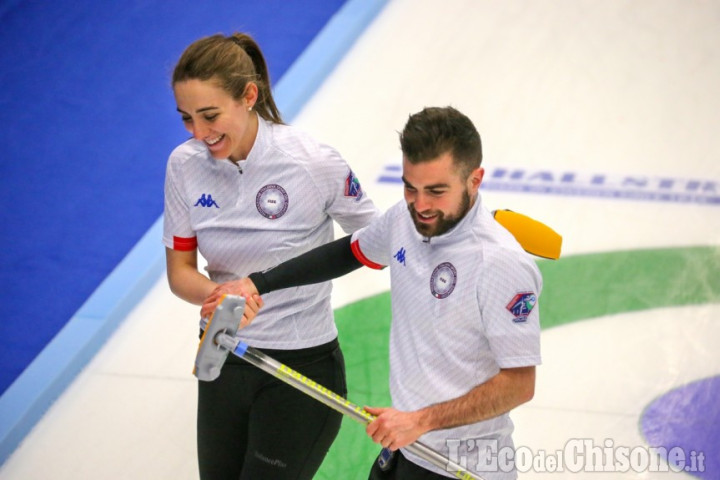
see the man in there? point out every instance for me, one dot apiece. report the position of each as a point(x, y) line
point(464, 339)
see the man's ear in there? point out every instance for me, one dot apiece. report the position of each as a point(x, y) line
point(475, 179)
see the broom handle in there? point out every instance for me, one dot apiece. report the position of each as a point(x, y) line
point(331, 399)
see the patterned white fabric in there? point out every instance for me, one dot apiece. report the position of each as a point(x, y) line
point(453, 322)
point(278, 203)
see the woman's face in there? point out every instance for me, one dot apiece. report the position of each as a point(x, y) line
point(226, 126)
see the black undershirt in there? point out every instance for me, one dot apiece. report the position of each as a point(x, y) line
point(320, 264)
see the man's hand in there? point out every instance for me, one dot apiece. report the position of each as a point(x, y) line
point(244, 288)
point(394, 429)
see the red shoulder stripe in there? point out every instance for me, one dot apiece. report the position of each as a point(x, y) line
point(355, 247)
point(184, 244)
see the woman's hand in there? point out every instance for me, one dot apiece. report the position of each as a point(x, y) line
point(244, 288)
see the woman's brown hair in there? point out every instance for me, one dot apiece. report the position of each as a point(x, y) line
point(233, 61)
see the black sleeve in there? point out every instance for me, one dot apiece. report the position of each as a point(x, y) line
point(320, 264)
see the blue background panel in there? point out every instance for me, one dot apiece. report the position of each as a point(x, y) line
point(88, 122)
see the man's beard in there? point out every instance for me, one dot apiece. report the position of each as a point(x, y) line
point(442, 224)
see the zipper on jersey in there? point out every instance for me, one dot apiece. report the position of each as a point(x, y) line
point(239, 185)
point(237, 165)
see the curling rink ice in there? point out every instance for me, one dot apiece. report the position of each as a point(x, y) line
point(600, 118)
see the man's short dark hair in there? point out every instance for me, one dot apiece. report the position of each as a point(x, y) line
point(437, 130)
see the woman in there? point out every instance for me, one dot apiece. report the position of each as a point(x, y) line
point(249, 192)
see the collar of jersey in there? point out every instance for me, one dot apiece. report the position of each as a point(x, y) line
point(261, 140)
point(259, 147)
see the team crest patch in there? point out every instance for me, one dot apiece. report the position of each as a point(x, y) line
point(352, 186)
point(272, 201)
point(443, 280)
point(521, 305)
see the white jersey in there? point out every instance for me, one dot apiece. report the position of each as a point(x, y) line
point(463, 306)
point(273, 206)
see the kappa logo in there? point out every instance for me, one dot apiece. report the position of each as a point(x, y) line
point(206, 201)
point(400, 256)
point(521, 305)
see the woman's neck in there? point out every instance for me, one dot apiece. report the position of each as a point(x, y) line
point(248, 140)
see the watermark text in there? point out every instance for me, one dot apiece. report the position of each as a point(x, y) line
point(577, 455)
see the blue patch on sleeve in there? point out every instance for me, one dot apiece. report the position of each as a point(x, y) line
point(352, 186)
point(521, 305)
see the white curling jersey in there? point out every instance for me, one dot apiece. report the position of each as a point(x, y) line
point(464, 305)
point(278, 203)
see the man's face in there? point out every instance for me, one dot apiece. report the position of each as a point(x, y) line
point(436, 195)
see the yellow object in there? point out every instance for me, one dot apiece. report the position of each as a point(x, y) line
point(534, 236)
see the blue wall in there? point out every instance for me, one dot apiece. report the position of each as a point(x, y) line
point(88, 121)
point(94, 120)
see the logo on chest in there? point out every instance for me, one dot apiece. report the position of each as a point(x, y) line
point(443, 280)
point(206, 201)
point(272, 201)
